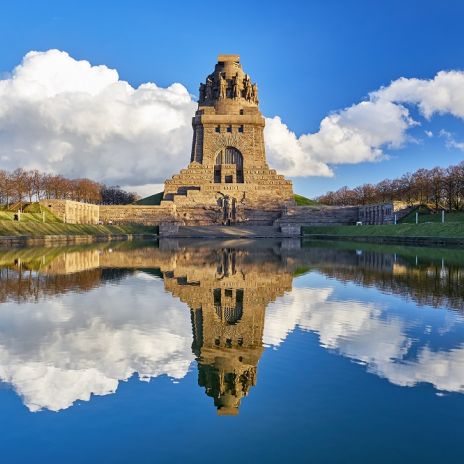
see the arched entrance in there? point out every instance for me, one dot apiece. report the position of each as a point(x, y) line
point(228, 166)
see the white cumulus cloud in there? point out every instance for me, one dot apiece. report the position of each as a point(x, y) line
point(67, 116)
point(364, 131)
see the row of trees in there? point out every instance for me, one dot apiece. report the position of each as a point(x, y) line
point(438, 188)
point(22, 186)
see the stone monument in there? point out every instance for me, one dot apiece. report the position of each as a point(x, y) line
point(228, 179)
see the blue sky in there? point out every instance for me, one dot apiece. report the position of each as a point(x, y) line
point(309, 58)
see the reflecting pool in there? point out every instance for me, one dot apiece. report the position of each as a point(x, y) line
point(238, 351)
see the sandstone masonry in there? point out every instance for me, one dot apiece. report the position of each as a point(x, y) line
point(73, 212)
point(228, 178)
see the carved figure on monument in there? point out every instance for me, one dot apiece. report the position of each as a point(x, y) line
point(236, 90)
point(226, 210)
point(222, 86)
point(202, 93)
point(232, 210)
point(209, 88)
point(248, 88)
point(255, 93)
point(228, 206)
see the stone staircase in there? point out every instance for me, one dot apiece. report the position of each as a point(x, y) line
point(261, 217)
point(232, 231)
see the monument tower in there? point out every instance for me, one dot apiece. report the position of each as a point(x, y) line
point(228, 179)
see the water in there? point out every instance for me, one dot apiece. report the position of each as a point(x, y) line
point(235, 351)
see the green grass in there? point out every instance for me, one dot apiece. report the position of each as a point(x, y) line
point(454, 217)
point(31, 228)
point(29, 217)
point(399, 230)
point(33, 212)
point(151, 200)
point(303, 201)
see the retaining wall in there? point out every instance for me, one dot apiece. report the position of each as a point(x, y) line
point(136, 214)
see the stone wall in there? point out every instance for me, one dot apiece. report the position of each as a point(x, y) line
point(191, 213)
point(382, 213)
point(73, 212)
point(136, 214)
point(319, 216)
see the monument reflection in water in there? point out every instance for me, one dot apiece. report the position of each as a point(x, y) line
point(228, 298)
point(228, 287)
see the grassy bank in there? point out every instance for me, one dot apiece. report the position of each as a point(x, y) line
point(14, 228)
point(152, 200)
point(32, 213)
point(425, 216)
point(450, 230)
point(303, 201)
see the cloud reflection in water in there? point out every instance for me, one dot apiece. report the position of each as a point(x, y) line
point(64, 344)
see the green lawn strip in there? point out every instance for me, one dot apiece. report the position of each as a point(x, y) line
point(33, 212)
point(38, 212)
point(451, 230)
point(13, 228)
point(454, 217)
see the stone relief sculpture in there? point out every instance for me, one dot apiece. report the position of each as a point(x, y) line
point(254, 88)
point(228, 207)
point(236, 90)
point(222, 86)
point(202, 93)
point(209, 88)
point(248, 88)
point(219, 88)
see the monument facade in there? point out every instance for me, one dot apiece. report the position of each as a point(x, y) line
point(228, 179)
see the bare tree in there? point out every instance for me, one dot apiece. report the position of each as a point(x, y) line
point(437, 188)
